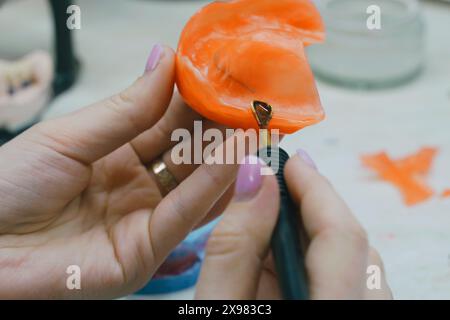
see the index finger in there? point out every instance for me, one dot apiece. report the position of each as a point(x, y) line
point(321, 207)
point(337, 256)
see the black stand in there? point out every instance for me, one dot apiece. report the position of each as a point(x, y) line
point(66, 65)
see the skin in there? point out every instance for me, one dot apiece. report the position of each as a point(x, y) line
point(76, 191)
point(337, 249)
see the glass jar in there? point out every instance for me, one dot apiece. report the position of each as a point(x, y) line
point(369, 43)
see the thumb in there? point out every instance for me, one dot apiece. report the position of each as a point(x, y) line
point(237, 248)
point(95, 131)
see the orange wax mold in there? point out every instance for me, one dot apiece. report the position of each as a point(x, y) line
point(234, 52)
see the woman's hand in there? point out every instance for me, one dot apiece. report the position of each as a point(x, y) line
point(238, 264)
point(76, 191)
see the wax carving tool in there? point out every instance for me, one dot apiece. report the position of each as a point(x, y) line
point(285, 243)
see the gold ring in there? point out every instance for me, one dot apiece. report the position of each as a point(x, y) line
point(165, 178)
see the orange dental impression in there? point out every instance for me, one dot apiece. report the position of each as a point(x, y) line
point(407, 174)
point(232, 53)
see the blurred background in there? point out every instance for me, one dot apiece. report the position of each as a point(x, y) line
point(388, 90)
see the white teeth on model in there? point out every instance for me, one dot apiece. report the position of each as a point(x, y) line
point(17, 76)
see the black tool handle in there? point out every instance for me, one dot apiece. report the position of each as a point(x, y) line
point(286, 248)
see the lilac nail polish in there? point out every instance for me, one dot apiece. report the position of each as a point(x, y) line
point(306, 158)
point(249, 179)
point(154, 57)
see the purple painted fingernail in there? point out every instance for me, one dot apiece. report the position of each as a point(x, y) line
point(154, 57)
point(249, 179)
point(306, 158)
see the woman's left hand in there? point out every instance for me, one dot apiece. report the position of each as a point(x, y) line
point(76, 191)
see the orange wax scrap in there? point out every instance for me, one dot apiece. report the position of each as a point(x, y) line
point(234, 52)
point(420, 162)
point(446, 193)
point(407, 174)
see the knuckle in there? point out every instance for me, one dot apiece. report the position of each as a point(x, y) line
point(213, 174)
point(122, 99)
point(162, 129)
point(225, 240)
point(51, 135)
point(120, 104)
point(178, 208)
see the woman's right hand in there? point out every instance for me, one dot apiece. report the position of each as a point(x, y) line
point(238, 263)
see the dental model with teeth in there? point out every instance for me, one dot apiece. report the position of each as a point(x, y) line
point(25, 88)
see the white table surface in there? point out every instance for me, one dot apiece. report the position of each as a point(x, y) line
point(113, 44)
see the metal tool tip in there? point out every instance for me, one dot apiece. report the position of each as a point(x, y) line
point(263, 113)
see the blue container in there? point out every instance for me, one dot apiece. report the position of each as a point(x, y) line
point(182, 268)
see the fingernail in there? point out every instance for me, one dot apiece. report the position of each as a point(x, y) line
point(154, 57)
point(249, 179)
point(306, 158)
